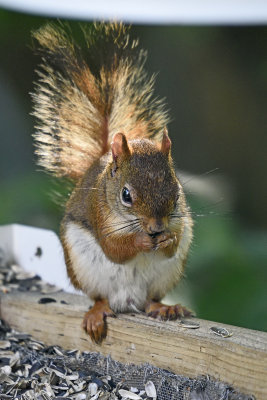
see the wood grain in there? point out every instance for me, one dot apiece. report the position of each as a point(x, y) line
point(239, 360)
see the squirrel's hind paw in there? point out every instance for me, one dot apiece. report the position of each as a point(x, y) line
point(94, 321)
point(161, 311)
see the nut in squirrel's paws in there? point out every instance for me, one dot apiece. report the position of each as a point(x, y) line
point(161, 311)
point(94, 321)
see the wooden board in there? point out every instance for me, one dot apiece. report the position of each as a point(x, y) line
point(239, 360)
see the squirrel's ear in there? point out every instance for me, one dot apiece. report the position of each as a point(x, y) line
point(119, 146)
point(166, 142)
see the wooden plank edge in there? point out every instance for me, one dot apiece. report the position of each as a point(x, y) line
point(239, 360)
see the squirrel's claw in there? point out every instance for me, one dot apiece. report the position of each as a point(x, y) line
point(94, 321)
point(95, 326)
point(164, 312)
point(165, 240)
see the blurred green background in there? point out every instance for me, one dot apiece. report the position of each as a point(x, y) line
point(214, 80)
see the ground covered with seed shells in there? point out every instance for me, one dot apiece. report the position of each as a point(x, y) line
point(29, 370)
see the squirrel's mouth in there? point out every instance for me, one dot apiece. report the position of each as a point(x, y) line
point(155, 226)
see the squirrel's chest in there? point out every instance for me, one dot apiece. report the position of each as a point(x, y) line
point(127, 286)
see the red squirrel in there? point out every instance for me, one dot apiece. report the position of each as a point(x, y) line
point(127, 228)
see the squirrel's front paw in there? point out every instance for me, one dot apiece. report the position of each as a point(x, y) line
point(165, 240)
point(143, 242)
point(94, 321)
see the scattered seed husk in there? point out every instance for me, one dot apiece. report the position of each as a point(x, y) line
point(151, 390)
point(189, 324)
point(6, 370)
point(5, 344)
point(134, 389)
point(129, 395)
point(5, 378)
point(58, 352)
point(35, 345)
point(46, 300)
point(223, 332)
point(92, 388)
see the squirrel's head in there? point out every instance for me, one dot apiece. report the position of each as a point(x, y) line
point(143, 181)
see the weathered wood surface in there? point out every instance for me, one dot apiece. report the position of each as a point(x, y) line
point(239, 360)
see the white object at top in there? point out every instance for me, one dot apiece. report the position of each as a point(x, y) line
point(149, 11)
point(36, 250)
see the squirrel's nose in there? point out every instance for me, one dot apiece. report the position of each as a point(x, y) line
point(155, 227)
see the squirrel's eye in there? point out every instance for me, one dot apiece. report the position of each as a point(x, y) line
point(126, 197)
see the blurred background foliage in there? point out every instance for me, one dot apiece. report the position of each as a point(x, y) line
point(214, 80)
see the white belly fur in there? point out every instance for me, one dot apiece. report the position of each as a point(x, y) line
point(126, 286)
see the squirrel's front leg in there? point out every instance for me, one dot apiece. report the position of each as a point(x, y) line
point(120, 249)
point(123, 248)
point(94, 322)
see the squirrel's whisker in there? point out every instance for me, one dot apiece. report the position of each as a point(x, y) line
point(132, 225)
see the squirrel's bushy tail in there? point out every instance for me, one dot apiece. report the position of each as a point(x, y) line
point(81, 104)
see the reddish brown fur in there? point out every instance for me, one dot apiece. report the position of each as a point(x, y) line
point(79, 111)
